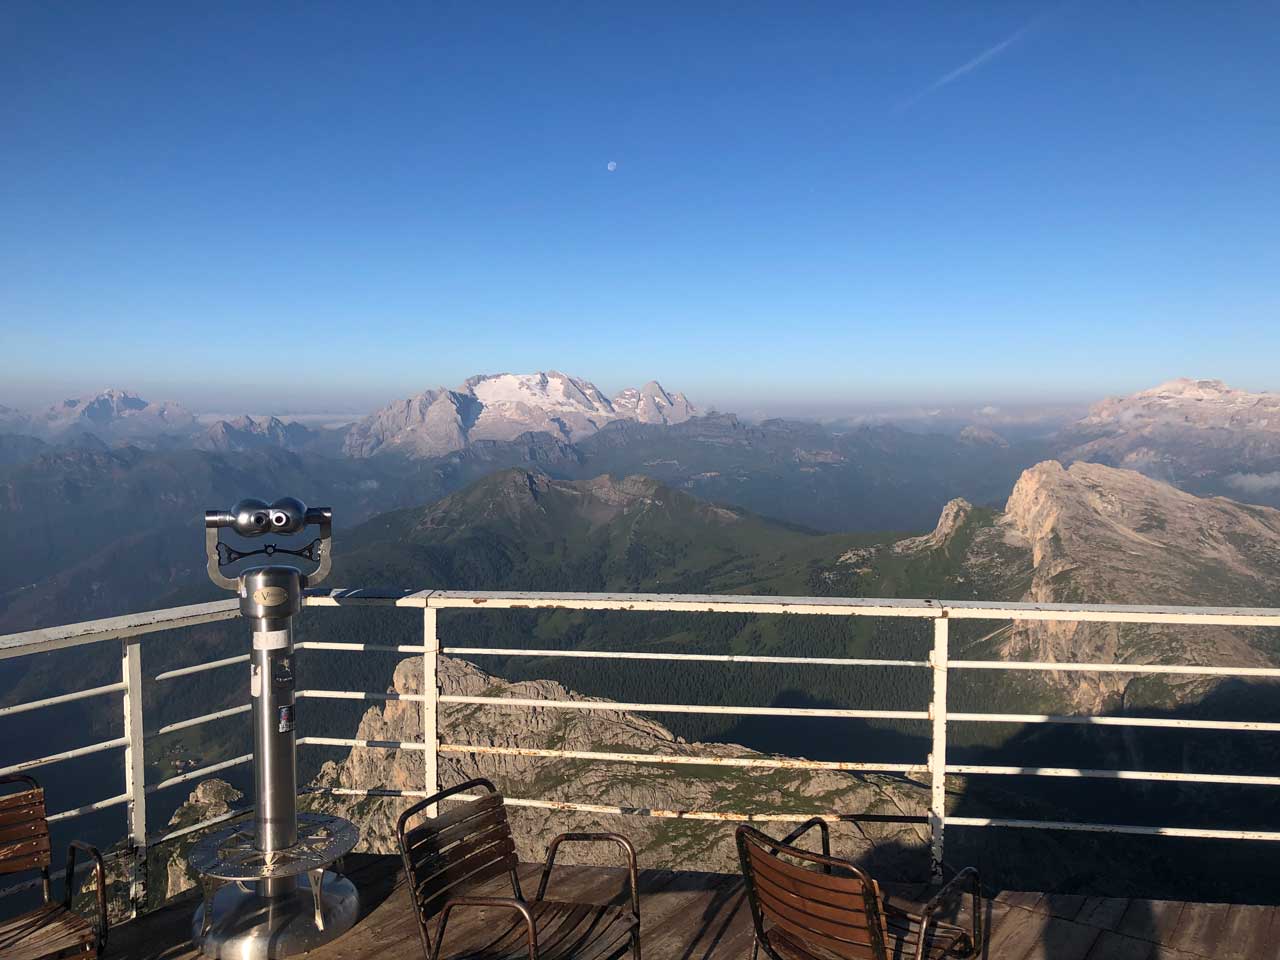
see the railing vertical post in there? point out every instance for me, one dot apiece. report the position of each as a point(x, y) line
point(430, 690)
point(938, 753)
point(135, 772)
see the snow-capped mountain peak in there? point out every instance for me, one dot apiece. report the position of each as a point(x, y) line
point(503, 406)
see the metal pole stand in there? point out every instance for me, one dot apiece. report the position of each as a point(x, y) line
point(266, 890)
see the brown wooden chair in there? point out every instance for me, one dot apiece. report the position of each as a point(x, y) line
point(53, 929)
point(470, 844)
point(809, 906)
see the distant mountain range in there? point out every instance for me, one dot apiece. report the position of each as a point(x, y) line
point(504, 406)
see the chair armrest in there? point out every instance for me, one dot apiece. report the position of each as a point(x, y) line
point(633, 870)
point(966, 879)
point(506, 903)
point(101, 874)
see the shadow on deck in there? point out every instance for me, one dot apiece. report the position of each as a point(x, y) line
point(704, 916)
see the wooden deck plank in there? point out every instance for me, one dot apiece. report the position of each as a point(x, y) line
point(1200, 929)
point(1064, 906)
point(1115, 946)
point(691, 916)
point(1062, 940)
point(1153, 920)
point(1247, 932)
point(1104, 913)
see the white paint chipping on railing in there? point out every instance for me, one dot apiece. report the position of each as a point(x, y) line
point(200, 772)
point(1115, 828)
point(352, 742)
point(687, 708)
point(1170, 723)
point(205, 718)
point(1155, 776)
point(90, 808)
point(64, 698)
point(938, 746)
point(202, 667)
point(429, 601)
point(92, 748)
point(681, 657)
point(1185, 669)
point(767, 763)
point(115, 628)
point(135, 770)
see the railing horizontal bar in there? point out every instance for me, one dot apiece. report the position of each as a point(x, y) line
point(1114, 828)
point(112, 628)
point(367, 597)
point(202, 667)
point(688, 708)
point(358, 695)
point(201, 772)
point(1144, 775)
point(703, 657)
point(1114, 668)
point(702, 761)
point(686, 603)
point(349, 742)
point(1113, 613)
point(202, 825)
point(65, 755)
point(63, 698)
point(370, 792)
point(622, 811)
point(849, 606)
point(90, 808)
point(1171, 723)
point(356, 647)
point(206, 718)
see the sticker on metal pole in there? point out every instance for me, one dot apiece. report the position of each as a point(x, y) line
point(285, 718)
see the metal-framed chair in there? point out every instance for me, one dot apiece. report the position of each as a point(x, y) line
point(52, 930)
point(809, 906)
point(470, 844)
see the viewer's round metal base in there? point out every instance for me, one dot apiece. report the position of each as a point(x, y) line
point(247, 927)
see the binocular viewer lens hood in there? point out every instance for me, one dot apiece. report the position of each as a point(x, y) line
point(254, 518)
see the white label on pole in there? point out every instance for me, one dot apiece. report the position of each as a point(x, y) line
point(271, 640)
point(255, 680)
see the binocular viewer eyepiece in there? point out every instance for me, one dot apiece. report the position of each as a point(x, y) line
point(254, 518)
point(257, 518)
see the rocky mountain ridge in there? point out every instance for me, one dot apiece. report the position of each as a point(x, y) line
point(503, 407)
point(1090, 533)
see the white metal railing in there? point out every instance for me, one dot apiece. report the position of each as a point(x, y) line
point(129, 630)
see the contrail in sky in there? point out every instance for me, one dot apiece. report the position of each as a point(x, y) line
point(986, 55)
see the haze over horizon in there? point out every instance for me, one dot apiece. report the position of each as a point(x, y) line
point(775, 213)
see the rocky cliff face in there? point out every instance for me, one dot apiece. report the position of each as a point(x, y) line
point(1201, 434)
point(1099, 534)
point(692, 844)
point(246, 433)
point(503, 407)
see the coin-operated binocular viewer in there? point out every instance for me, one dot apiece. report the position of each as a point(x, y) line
point(267, 892)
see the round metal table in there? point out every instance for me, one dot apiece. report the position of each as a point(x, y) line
point(237, 922)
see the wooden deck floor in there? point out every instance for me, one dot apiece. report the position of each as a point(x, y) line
point(703, 916)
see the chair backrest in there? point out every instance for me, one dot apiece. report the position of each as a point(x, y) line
point(464, 846)
point(24, 831)
point(809, 905)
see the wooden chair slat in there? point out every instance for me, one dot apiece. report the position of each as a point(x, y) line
point(486, 830)
point(786, 872)
point(27, 855)
point(22, 798)
point(24, 813)
point(839, 923)
point(481, 866)
point(803, 945)
point(23, 831)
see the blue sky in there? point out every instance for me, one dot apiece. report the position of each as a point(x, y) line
point(814, 206)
